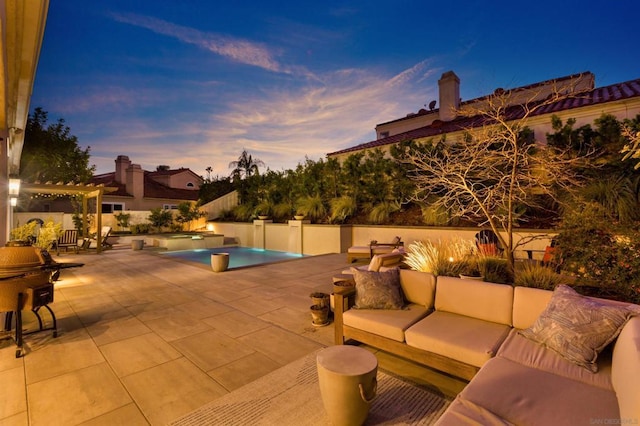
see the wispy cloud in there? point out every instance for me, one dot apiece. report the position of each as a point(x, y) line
point(281, 127)
point(236, 49)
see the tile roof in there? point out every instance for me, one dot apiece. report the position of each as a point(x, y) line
point(152, 188)
point(600, 95)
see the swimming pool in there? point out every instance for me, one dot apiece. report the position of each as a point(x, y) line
point(239, 257)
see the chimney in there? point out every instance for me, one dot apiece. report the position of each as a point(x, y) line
point(449, 87)
point(135, 181)
point(122, 164)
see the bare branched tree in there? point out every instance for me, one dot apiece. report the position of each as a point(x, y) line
point(631, 149)
point(497, 166)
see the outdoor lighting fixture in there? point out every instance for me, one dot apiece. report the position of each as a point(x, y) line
point(210, 226)
point(14, 201)
point(14, 187)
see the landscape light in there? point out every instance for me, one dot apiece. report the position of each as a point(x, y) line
point(14, 187)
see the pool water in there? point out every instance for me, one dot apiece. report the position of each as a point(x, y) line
point(239, 257)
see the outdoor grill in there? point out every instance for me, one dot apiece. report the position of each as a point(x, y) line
point(26, 282)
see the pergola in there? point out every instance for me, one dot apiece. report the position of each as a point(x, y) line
point(87, 192)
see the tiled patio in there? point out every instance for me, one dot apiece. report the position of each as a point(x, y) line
point(144, 339)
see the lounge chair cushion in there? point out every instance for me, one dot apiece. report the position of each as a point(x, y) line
point(387, 260)
point(378, 290)
point(386, 323)
point(578, 327)
point(520, 394)
point(469, 340)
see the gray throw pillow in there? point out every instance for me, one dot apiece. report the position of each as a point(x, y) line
point(579, 327)
point(378, 290)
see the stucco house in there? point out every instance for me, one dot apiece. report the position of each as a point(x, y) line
point(139, 189)
point(585, 103)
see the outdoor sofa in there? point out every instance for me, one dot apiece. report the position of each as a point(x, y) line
point(491, 334)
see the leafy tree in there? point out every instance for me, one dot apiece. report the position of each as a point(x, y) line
point(160, 218)
point(188, 212)
point(245, 166)
point(214, 188)
point(496, 168)
point(51, 152)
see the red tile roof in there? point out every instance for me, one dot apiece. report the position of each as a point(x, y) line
point(152, 188)
point(615, 92)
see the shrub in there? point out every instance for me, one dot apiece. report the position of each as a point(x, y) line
point(441, 258)
point(312, 207)
point(601, 254)
point(382, 212)
point(535, 275)
point(434, 216)
point(495, 270)
point(243, 212)
point(342, 208)
point(282, 212)
point(140, 228)
point(264, 208)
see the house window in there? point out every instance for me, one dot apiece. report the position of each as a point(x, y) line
point(383, 135)
point(190, 185)
point(112, 207)
point(170, 206)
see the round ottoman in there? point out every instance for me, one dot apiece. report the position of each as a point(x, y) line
point(347, 377)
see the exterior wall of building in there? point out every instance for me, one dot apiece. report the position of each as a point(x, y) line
point(181, 180)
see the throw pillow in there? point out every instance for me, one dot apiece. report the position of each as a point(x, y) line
point(378, 290)
point(375, 264)
point(578, 327)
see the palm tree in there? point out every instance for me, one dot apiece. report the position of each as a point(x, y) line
point(245, 166)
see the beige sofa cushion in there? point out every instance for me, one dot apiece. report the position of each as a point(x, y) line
point(481, 300)
point(527, 396)
point(625, 371)
point(386, 323)
point(528, 304)
point(463, 412)
point(418, 287)
point(532, 354)
point(462, 338)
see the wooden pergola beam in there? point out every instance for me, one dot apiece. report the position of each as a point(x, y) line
point(87, 192)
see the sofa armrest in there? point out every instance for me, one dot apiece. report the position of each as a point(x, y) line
point(343, 300)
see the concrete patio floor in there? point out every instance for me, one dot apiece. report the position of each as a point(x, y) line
point(144, 339)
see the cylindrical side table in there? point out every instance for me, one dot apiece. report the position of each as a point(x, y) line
point(348, 384)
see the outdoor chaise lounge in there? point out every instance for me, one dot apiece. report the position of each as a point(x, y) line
point(104, 242)
point(367, 252)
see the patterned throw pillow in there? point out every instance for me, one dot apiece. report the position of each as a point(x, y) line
point(378, 290)
point(578, 327)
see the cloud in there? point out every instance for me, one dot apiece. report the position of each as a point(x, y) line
point(283, 127)
point(236, 49)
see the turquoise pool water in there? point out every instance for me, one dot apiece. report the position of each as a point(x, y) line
point(239, 257)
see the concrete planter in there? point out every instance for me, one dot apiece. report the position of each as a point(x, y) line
point(137, 244)
point(219, 262)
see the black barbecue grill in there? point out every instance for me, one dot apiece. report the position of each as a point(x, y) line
point(26, 282)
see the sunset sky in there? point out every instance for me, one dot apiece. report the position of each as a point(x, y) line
point(192, 83)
